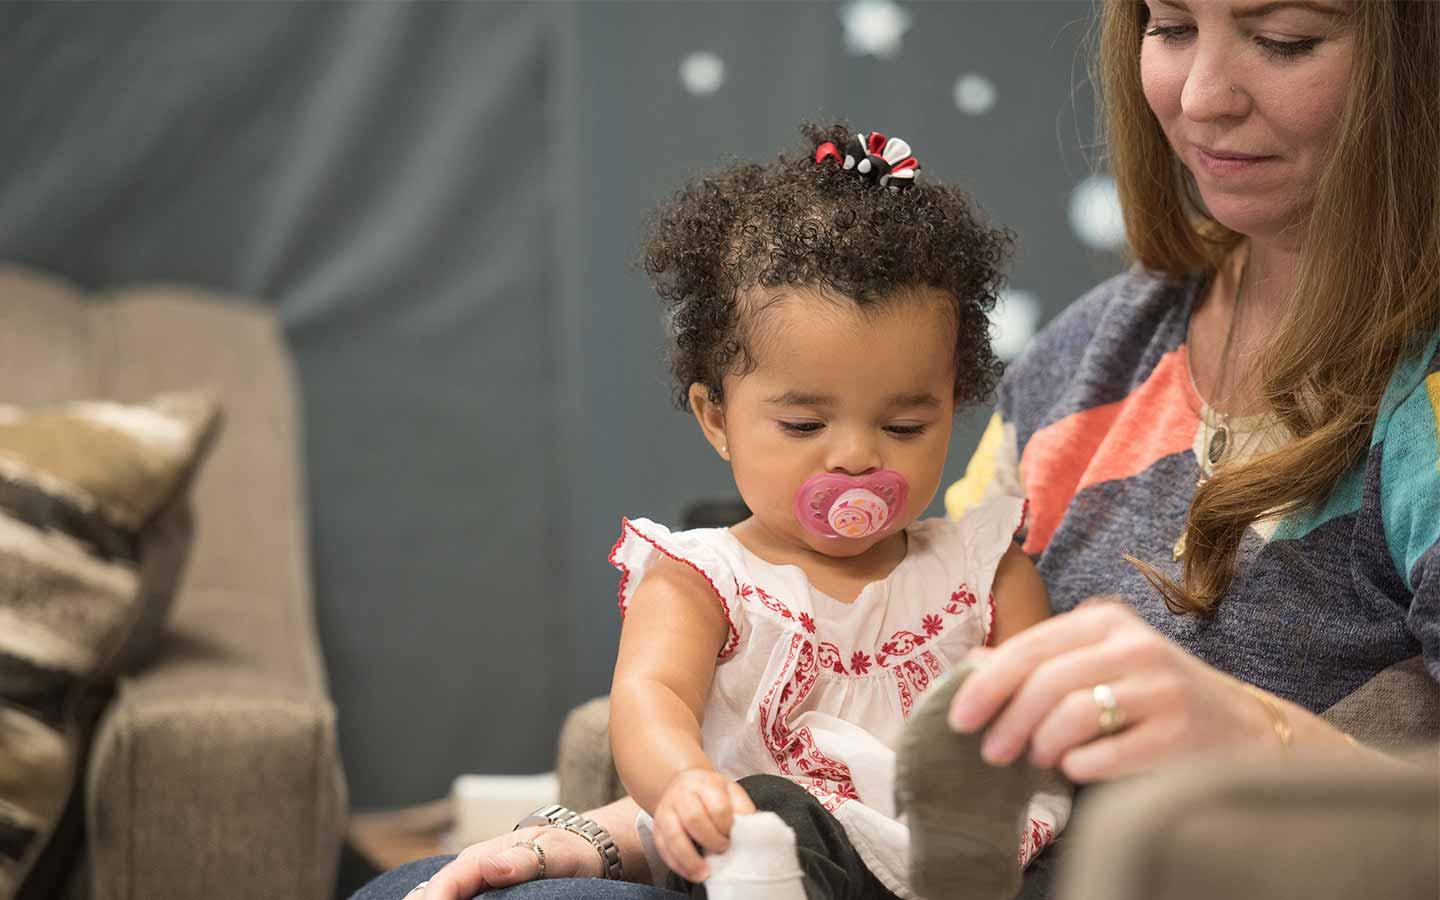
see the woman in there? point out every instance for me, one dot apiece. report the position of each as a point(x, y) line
point(1252, 421)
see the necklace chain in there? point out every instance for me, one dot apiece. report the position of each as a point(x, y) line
point(1216, 443)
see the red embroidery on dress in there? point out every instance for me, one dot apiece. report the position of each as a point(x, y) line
point(913, 676)
point(830, 799)
point(1037, 838)
point(934, 664)
point(797, 750)
point(989, 621)
point(732, 642)
point(901, 644)
point(766, 599)
point(907, 698)
point(960, 600)
point(830, 658)
point(1024, 516)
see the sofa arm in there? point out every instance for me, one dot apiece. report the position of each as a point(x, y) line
point(215, 772)
point(583, 765)
point(1284, 830)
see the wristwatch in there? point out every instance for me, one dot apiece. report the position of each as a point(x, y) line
point(556, 816)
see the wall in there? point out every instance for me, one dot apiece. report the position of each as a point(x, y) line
point(441, 202)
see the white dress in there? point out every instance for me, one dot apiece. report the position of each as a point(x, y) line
point(816, 690)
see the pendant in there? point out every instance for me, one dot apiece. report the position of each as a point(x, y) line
point(1218, 442)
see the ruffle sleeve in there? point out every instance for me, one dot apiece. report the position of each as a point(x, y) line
point(989, 531)
point(643, 543)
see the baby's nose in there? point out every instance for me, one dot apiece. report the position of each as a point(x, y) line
point(854, 456)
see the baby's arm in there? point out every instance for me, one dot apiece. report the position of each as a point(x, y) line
point(1020, 596)
point(1021, 601)
point(674, 629)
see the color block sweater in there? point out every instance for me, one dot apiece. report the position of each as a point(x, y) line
point(1099, 428)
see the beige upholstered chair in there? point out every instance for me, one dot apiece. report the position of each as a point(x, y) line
point(214, 771)
point(1301, 830)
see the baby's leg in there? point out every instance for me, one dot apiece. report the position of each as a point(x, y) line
point(822, 863)
point(966, 817)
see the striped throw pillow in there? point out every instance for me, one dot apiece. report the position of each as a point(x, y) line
point(79, 484)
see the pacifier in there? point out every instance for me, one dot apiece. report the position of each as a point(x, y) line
point(835, 505)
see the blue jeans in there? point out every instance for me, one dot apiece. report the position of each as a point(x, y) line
point(396, 883)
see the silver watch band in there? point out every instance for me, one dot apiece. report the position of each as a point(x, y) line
point(558, 816)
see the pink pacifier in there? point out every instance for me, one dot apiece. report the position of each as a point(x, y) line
point(833, 505)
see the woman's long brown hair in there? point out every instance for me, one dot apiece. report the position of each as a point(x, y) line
point(1367, 289)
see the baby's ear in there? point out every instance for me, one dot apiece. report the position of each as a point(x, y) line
point(711, 416)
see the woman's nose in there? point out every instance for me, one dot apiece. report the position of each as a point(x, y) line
point(1212, 90)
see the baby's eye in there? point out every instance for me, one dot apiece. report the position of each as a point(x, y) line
point(905, 430)
point(800, 427)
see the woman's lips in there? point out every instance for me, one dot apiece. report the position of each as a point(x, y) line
point(1221, 162)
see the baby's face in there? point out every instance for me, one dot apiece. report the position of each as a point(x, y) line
point(835, 390)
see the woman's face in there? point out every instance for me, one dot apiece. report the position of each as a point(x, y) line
point(1249, 94)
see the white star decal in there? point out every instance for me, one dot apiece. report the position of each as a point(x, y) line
point(1014, 320)
point(874, 27)
point(702, 72)
point(1095, 214)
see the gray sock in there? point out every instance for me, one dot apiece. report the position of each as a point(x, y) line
point(966, 816)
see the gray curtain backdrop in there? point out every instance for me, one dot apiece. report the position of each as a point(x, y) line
point(442, 202)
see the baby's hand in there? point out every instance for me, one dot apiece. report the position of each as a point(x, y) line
point(698, 806)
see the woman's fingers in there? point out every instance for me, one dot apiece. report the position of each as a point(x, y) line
point(1075, 720)
point(461, 878)
point(1054, 679)
point(506, 860)
point(481, 867)
point(990, 686)
point(1128, 752)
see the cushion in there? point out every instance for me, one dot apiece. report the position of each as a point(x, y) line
point(82, 488)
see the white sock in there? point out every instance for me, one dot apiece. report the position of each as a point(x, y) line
point(761, 863)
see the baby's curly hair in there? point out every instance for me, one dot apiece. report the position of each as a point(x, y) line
point(798, 224)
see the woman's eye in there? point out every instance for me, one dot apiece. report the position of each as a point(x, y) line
point(801, 427)
point(1170, 34)
point(905, 430)
point(1287, 49)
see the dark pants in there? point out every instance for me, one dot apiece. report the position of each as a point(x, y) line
point(832, 868)
point(816, 864)
point(396, 883)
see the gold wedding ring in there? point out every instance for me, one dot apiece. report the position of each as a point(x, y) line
point(1112, 717)
point(539, 856)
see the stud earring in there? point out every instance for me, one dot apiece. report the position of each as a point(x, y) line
point(725, 451)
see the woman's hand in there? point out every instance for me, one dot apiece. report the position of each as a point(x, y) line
point(506, 860)
point(1041, 681)
point(698, 806)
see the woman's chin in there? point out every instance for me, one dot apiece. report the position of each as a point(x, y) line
point(1249, 215)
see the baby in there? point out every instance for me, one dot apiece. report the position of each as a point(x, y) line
point(829, 316)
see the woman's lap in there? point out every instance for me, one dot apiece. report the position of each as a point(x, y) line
point(396, 883)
